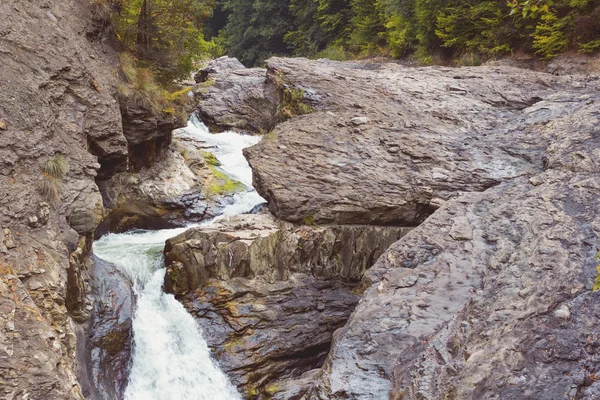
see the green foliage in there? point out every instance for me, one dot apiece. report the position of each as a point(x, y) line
point(468, 30)
point(256, 29)
point(333, 52)
point(590, 47)
point(400, 35)
point(165, 35)
point(550, 36)
point(367, 25)
point(139, 87)
point(475, 26)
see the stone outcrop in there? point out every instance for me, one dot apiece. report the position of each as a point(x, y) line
point(491, 295)
point(269, 294)
point(170, 193)
point(388, 144)
point(148, 133)
point(250, 246)
point(234, 97)
point(489, 298)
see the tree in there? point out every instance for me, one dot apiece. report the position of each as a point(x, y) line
point(164, 34)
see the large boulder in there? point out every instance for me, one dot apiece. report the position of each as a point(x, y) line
point(387, 144)
point(489, 298)
point(232, 96)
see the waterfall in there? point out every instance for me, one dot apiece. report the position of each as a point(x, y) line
point(171, 359)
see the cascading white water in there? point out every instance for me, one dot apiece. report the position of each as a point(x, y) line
point(171, 359)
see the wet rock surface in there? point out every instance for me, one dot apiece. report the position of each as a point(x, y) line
point(269, 294)
point(105, 342)
point(250, 246)
point(491, 296)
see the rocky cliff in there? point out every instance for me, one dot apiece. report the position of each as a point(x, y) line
point(491, 295)
point(61, 130)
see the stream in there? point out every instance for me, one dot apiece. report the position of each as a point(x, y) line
point(171, 359)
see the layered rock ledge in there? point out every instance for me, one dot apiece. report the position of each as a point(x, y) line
point(269, 294)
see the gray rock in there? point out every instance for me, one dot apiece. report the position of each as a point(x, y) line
point(359, 120)
point(235, 97)
point(220, 65)
point(269, 295)
point(423, 146)
point(106, 342)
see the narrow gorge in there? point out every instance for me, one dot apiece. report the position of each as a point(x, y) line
point(316, 230)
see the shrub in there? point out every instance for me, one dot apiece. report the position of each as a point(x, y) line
point(55, 167)
point(53, 170)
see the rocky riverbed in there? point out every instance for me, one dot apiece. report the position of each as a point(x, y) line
point(429, 233)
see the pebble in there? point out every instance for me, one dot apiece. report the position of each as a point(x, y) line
point(563, 312)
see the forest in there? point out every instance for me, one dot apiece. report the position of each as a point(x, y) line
point(172, 35)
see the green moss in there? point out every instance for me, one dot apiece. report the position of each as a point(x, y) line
point(292, 103)
point(221, 184)
point(309, 220)
point(291, 100)
point(210, 159)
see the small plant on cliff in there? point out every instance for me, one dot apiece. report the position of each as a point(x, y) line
point(140, 87)
point(53, 170)
point(292, 103)
point(309, 220)
point(597, 282)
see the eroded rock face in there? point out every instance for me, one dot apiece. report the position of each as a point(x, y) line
point(269, 294)
point(235, 97)
point(487, 281)
point(148, 133)
point(388, 144)
point(168, 194)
